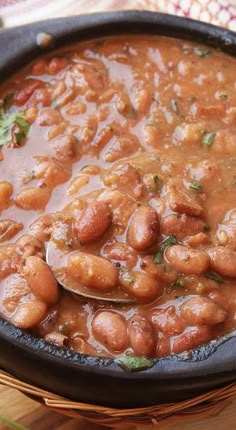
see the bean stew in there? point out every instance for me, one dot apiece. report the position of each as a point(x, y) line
point(120, 154)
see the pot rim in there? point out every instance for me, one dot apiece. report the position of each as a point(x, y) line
point(218, 355)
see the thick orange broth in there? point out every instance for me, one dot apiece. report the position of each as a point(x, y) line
point(121, 154)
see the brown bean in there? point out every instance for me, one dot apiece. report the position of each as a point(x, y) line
point(64, 147)
point(40, 279)
point(56, 338)
point(223, 261)
point(142, 336)
point(29, 245)
point(33, 198)
point(143, 228)
point(92, 271)
point(191, 339)
point(49, 117)
point(120, 252)
point(167, 321)
point(93, 221)
point(8, 229)
point(6, 190)
point(202, 311)
point(186, 260)
point(110, 329)
point(140, 285)
point(29, 314)
point(56, 65)
point(27, 89)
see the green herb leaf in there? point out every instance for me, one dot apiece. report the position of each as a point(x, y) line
point(208, 139)
point(63, 328)
point(157, 257)
point(134, 364)
point(178, 283)
point(174, 106)
point(170, 240)
point(195, 186)
point(12, 425)
point(6, 123)
point(152, 122)
point(214, 277)
point(201, 52)
point(7, 99)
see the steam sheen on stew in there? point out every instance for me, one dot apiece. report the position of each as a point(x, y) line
point(120, 152)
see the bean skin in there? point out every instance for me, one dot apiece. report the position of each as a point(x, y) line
point(191, 339)
point(92, 222)
point(92, 271)
point(143, 228)
point(181, 225)
point(33, 198)
point(142, 336)
point(167, 321)
point(141, 285)
point(120, 252)
point(110, 329)
point(29, 314)
point(6, 190)
point(40, 279)
point(24, 94)
point(186, 260)
point(223, 261)
point(202, 311)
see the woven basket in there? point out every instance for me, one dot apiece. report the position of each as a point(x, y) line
point(198, 407)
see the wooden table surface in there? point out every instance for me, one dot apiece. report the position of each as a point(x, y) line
point(25, 411)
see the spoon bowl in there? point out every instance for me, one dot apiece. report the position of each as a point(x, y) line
point(56, 259)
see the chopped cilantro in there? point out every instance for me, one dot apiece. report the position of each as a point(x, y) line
point(201, 52)
point(214, 277)
point(7, 121)
point(7, 99)
point(170, 240)
point(195, 186)
point(208, 138)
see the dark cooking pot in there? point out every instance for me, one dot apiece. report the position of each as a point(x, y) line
point(98, 380)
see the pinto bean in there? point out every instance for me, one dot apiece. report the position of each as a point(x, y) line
point(110, 329)
point(120, 252)
point(56, 65)
point(6, 190)
point(8, 229)
point(191, 339)
point(157, 271)
point(13, 289)
point(181, 225)
point(142, 336)
point(49, 117)
point(29, 314)
point(29, 245)
point(42, 227)
point(202, 311)
point(92, 271)
point(186, 260)
point(64, 147)
point(40, 279)
point(33, 198)
point(223, 261)
point(56, 338)
point(167, 321)
point(93, 221)
point(143, 228)
point(24, 94)
point(140, 285)
point(125, 178)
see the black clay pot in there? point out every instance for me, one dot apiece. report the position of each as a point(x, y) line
point(96, 380)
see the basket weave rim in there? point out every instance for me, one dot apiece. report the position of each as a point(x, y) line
point(202, 404)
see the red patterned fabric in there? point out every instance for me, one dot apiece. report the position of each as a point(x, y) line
point(17, 12)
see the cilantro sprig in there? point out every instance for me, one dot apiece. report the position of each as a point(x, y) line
point(170, 240)
point(7, 121)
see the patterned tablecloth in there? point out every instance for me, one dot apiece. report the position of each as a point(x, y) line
point(16, 12)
